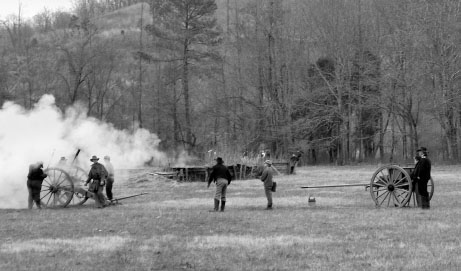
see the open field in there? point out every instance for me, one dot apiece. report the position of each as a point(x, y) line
point(171, 228)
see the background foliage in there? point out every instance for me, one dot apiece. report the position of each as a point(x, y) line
point(342, 81)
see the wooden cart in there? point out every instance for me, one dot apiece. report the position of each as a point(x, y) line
point(390, 186)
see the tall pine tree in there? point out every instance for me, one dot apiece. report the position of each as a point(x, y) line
point(187, 30)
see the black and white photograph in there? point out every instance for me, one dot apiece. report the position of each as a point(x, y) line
point(147, 135)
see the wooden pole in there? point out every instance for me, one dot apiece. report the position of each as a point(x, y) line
point(336, 185)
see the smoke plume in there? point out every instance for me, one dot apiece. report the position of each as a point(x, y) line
point(45, 134)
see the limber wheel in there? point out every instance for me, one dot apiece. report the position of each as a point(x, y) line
point(390, 186)
point(430, 188)
point(57, 189)
point(78, 175)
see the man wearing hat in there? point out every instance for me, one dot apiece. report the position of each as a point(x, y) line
point(98, 175)
point(63, 163)
point(421, 175)
point(266, 178)
point(221, 175)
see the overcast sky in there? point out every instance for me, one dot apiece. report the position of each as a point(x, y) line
point(31, 7)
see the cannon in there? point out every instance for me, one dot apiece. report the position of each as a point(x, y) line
point(63, 187)
point(389, 186)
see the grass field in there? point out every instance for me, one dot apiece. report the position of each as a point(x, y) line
point(171, 228)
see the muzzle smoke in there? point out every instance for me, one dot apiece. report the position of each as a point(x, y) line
point(44, 133)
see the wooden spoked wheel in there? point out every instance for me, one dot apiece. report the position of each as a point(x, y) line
point(391, 186)
point(430, 188)
point(78, 175)
point(57, 189)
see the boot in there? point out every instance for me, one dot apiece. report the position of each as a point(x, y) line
point(425, 202)
point(269, 207)
point(223, 205)
point(419, 200)
point(216, 206)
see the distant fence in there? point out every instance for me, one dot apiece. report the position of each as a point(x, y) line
point(200, 174)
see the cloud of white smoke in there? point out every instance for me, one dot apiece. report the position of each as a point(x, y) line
point(44, 133)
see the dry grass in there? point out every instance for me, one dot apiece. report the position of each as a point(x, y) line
point(104, 243)
point(171, 228)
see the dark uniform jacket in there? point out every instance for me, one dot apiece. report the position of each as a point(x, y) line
point(97, 173)
point(293, 160)
point(36, 174)
point(34, 181)
point(220, 171)
point(422, 170)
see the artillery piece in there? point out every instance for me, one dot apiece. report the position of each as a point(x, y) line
point(390, 185)
point(64, 187)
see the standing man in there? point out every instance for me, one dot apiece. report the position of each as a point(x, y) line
point(293, 162)
point(110, 179)
point(34, 184)
point(266, 178)
point(221, 175)
point(421, 176)
point(62, 162)
point(98, 176)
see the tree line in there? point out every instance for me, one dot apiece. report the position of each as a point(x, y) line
point(343, 81)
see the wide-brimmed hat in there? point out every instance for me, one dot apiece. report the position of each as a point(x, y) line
point(219, 160)
point(107, 157)
point(423, 149)
point(269, 162)
point(94, 158)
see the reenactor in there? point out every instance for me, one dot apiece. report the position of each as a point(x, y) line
point(110, 179)
point(293, 162)
point(221, 175)
point(267, 179)
point(421, 176)
point(98, 176)
point(34, 184)
point(62, 163)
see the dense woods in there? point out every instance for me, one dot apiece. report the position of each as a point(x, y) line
point(344, 81)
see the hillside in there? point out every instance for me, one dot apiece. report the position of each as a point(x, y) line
point(126, 19)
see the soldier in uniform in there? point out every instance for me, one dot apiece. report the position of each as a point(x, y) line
point(266, 178)
point(421, 175)
point(293, 162)
point(110, 179)
point(34, 184)
point(221, 175)
point(98, 175)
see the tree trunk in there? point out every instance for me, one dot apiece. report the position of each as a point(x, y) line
point(187, 108)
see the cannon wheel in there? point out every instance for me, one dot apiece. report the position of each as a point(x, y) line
point(57, 188)
point(390, 186)
point(78, 175)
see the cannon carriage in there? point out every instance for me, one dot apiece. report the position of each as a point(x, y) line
point(63, 187)
point(390, 186)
